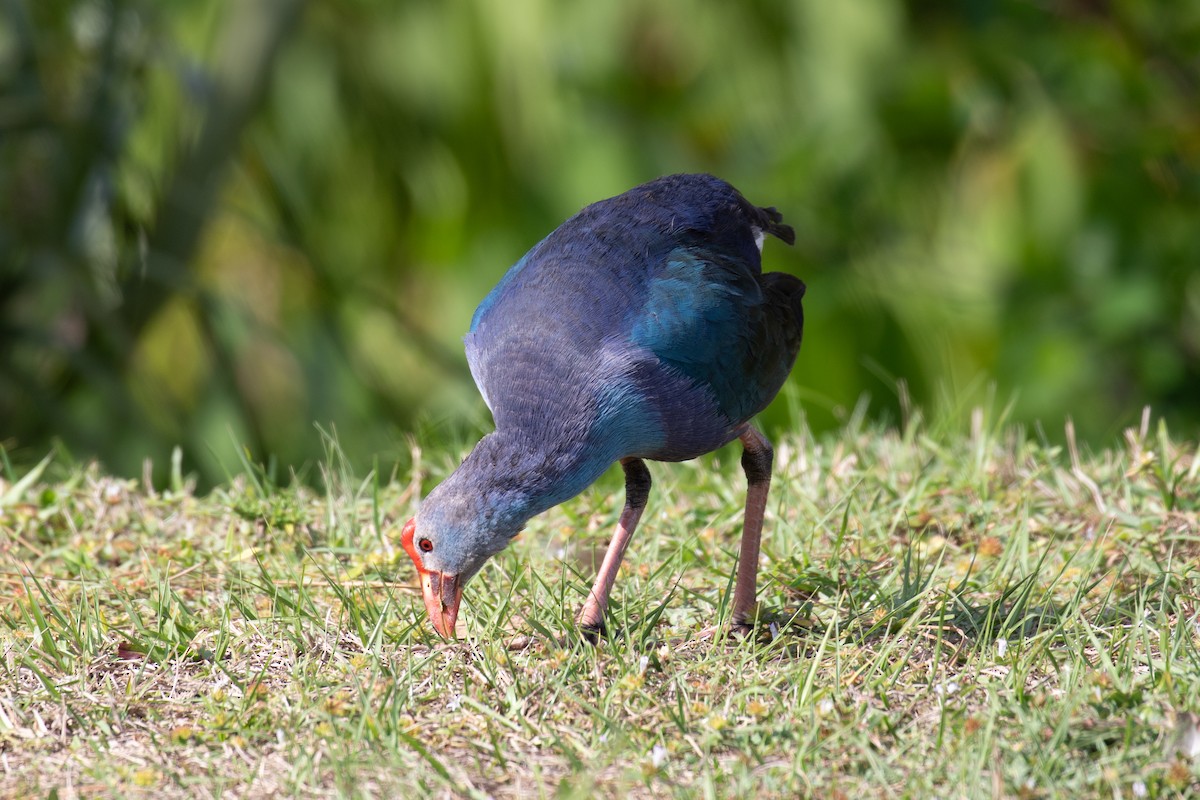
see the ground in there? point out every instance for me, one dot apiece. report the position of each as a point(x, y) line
point(954, 615)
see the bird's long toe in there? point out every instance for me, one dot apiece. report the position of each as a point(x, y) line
point(593, 632)
point(735, 631)
point(741, 630)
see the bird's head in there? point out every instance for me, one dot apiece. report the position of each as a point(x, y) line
point(470, 517)
point(449, 540)
point(441, 583)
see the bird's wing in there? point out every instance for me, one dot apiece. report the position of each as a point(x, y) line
point(670, 270)
point(729, 328)
point(535, 338)
point(476, 336)
point(477, 371)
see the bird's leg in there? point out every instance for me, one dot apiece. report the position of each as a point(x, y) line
point(756, 461)
point(637, 490)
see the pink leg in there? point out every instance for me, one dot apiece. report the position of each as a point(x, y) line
point(637, 491)
point(756, 461)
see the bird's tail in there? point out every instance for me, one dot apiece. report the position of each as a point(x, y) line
point(772, 223)
point(785, 294)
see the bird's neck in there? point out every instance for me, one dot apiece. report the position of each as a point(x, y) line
point(515, 478)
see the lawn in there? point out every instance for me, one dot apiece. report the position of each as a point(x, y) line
point(976, 613)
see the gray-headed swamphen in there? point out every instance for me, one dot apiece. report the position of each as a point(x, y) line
point(642, 328)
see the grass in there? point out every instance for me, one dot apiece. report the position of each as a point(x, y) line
point(949, 615)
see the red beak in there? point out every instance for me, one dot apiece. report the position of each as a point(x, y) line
point(442, 593)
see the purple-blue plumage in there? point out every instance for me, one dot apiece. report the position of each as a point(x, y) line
point(643, 327)
point(653, 299)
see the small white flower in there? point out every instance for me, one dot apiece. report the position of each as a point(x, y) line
point(455, 703)
point(1001, 647)
point(643, 662)
point(1139, 789)
point(946, 689)
point(658, 756)
point(825, 707)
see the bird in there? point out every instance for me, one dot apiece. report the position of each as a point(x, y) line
point(642, 328)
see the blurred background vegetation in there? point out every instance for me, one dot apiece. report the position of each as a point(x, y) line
point(221, 222)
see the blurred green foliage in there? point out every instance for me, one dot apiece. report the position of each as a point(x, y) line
point(223, 221)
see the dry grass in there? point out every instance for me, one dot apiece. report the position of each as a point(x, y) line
point(960, 616)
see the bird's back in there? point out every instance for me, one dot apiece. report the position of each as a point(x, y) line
point(643, 326)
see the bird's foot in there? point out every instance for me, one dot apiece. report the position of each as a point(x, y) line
point(741, 630)
point(735, 631)
point(593, 632)
point(743, 622)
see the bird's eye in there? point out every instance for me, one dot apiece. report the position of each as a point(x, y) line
point(425, 545)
